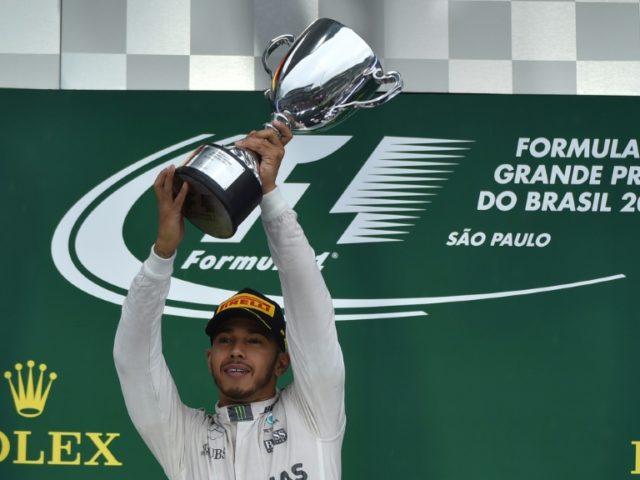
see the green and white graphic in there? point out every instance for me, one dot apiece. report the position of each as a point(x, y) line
point(482, 253)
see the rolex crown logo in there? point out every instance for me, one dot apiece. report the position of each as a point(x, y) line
point(30, 399)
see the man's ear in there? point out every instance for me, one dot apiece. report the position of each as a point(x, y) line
point(282, 363)
point(208, 354)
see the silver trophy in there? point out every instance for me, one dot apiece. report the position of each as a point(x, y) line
point(327, 73)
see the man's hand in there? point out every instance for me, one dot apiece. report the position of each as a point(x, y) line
point(270, 147)
point(170, 218)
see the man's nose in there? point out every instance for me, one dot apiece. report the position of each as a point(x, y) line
point(237, 350)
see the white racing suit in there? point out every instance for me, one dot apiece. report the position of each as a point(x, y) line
point(297, 434)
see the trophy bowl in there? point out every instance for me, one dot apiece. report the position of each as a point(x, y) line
point(327, 73)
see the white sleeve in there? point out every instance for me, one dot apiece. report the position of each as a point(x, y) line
point(149, 391)
point(316, 358)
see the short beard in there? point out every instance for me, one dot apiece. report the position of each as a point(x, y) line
point(240, 396)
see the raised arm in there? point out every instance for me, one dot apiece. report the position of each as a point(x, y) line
point(316, 357)
point(150, 394)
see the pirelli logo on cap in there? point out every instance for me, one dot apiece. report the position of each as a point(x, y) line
point(246, 300)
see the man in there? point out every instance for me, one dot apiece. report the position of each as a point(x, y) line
point(257, 432)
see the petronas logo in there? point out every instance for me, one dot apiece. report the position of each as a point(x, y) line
point(30, 396)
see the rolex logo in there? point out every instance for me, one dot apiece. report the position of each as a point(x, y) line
point(30, 398)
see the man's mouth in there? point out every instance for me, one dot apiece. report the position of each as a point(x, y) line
point(236, 371)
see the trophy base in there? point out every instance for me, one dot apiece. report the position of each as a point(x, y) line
point(223, 191)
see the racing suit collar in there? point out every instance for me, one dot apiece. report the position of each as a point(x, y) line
point(246, 412)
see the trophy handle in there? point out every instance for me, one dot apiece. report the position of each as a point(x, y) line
point(271, 46)
point(380, 77)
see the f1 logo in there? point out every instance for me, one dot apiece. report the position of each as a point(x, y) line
point(387, 195)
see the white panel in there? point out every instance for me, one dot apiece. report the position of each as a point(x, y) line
point(606, 1)
point(94, 71)
point(489, 76)
point(159, 28)
point(608, 78)
point(31, 26)
point(543, 30)
point(214, 72)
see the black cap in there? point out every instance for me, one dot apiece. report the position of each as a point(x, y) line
point(251, 304)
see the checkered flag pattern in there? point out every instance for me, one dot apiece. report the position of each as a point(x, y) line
point(490, 46)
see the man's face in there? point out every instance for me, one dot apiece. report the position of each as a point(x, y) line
point(245, 362)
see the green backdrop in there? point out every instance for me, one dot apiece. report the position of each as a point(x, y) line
point(465, 359)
